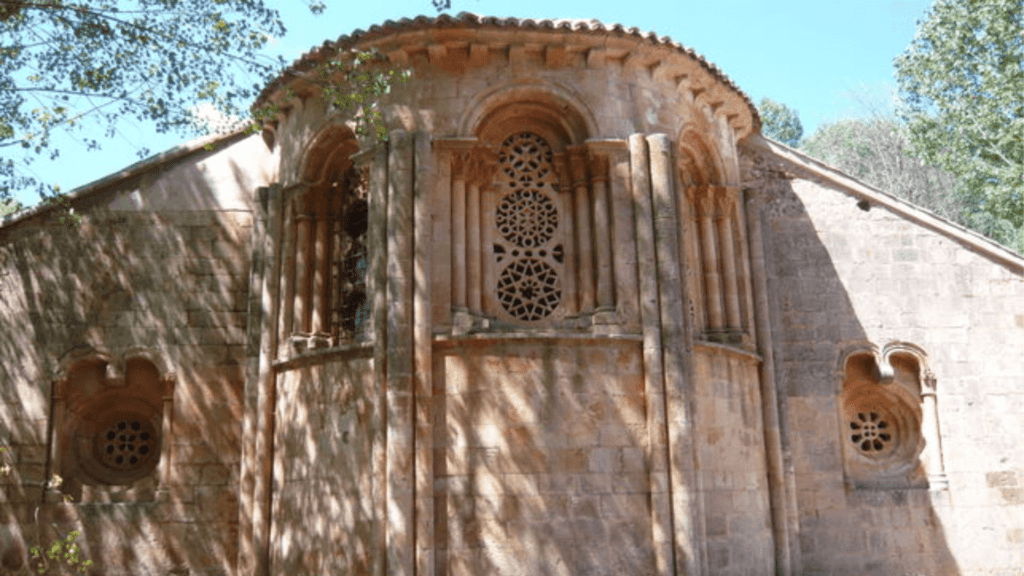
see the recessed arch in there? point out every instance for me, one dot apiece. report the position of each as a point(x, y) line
point(699, 163)
point(551, 111)
point(328, 155)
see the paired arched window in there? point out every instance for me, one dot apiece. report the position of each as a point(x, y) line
point(324, 256)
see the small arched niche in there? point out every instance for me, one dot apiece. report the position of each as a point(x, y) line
point(881, 421)
point(112, 421)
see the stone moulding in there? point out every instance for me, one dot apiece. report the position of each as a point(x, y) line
point(471, 40)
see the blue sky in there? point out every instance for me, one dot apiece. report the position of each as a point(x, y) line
point(808, 54)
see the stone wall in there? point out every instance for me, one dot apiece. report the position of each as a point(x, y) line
point(324, 516)
point(734, 479)
point(158, 266)
point(541, 463)
point(848, 276)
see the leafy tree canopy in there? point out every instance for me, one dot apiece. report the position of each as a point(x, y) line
point(84, 66)
point(877, 150)
point(780, 122)
point(961, 81)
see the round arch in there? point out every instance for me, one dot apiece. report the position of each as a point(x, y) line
point(700, 163)
point(555, 113)
point(326, 154)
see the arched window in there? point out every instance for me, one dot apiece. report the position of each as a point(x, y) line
point(111, 424)
point(324, 251)
point(887, 411)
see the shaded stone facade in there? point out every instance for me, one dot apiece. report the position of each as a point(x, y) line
point(575, 317)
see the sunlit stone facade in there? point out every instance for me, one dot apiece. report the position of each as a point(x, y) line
point(576, 316)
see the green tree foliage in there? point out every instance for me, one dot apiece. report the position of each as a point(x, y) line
point(961, 81)
point(85, 66)
point(877, 150)
point(780, 122)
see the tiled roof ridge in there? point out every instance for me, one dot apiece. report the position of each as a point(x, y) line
point(387, 27)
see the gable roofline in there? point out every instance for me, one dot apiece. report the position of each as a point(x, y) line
point(174, 154)
point(816, 168)
point(468, 20)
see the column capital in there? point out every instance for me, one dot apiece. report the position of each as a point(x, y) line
point(481, 162)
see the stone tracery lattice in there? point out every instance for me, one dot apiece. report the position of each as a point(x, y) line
point(528, 287)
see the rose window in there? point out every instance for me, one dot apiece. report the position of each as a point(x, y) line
point(527, 218)
point(528, 289)
point(127, 444)
point(525, 157)
point(870, 432)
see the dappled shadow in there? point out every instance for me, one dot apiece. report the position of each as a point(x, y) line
point(159, 264)
point(831, 290)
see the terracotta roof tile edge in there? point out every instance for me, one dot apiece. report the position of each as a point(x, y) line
point(444, 20)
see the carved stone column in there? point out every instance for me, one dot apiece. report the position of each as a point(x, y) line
point(602, 237)
point(480, 169)
point(704, 200)
point(303, 255)
point(584, 246)
point(932, 455)
point(725, 199)
point(287, 257)
point(321, 247)
point(571, 297)
point(459, 160)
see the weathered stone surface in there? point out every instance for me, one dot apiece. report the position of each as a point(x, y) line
point(608, 329)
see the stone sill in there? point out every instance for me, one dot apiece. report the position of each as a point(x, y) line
point(728, 349)
point(447, 340)
point(360, 349)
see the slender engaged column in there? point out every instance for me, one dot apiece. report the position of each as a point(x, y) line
point(287, 257)
point(459, 230)
point(266, 392)
point(57, 417)
point(709, 254)
point(584, 246)
point(320, 274)
point(625, 257)
point(932, 455)
point(726, 200)
point(400, 410)
point(569, 280)
point(686, 494)
point(602, 237)
point(303, 245)
point(745, 282)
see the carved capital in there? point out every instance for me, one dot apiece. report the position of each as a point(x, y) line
point(704, 200)
point(481, 164)
point(598, 165)
point(577, 165)
point(459, 161)
point(725, 201)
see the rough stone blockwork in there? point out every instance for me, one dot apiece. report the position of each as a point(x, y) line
point(575, 317)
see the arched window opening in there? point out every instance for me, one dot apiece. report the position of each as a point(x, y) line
point(885, 418)
point(721, 293)
point(324, 253)
point(111, 428)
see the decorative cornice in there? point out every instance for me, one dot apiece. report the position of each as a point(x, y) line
point(438, 37)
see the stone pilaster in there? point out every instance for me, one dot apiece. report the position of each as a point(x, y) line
point(400, 532)
point(663, 532)
point(423, 181)
point(687, 496)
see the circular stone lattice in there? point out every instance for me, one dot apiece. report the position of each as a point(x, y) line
point(525, 157)
point(871, 432)
point(529, 289)
point(527, 218)
point(127, 444)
